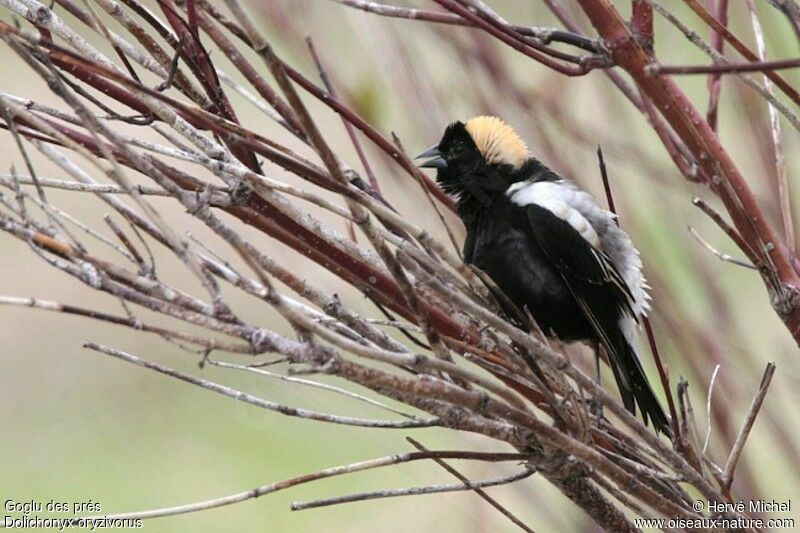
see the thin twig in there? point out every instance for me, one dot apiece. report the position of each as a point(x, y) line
point(696, 40)
point(729, 231)
point(338, 390)
point(76, 186)
point(717, 253)
point(411, 491)
point(299, 480)
point(373, 181)
point(747, 425)
point(545, 35)
point(259, 402)
point(663, 374)
point(508, 36)
point(715, 80)
point(480, 492)
point(606, 183)
point(784, 195)
point(729, 37)
point(791, 9)
point(708, 406)
point(725, 68)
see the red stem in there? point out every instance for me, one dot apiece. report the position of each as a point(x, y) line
point(714, 81)
point(642, 22)
point(740, 47)
point(727, 68)
point(371, 133)
point(729, 184)
point(373, 181)
point(512, 39)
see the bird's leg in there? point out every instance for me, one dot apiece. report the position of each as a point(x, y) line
point(595, 405)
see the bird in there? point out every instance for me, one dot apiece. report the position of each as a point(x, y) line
point(549, 247)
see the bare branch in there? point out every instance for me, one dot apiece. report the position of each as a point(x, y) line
point(720, 255)
point(411, 491)
point(711, 384)
point(777, 145)
point(747, 424)
point(299, 480)
point(259, 402)
point(726, 68)
point(480, 492)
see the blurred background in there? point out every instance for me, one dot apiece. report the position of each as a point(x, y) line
point(79, 426)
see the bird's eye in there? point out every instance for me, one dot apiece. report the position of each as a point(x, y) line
point(457, 149)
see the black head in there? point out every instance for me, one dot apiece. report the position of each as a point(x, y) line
point(479, 157)
point(455, 157)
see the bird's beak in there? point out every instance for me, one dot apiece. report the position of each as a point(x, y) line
point(434, 156)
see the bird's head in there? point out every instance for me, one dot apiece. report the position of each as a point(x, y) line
point(478, 155)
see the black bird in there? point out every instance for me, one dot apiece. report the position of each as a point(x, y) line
point(549, 247)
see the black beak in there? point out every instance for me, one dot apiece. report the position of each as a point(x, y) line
point(437, 160)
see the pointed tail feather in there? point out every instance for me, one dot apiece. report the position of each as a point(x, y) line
point(633, 383)
point(628, 372)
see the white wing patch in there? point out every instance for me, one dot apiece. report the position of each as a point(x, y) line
point(596, 225)
point(557, 198)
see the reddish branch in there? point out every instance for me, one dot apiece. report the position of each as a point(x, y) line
point(642, 22)
point(740, 47)
point(725, 68)
point(564, 447)
point(727, 182)
point(510, 37)
point(545, 35)
point(714, 81)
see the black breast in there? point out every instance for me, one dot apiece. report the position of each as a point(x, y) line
point(499, 243)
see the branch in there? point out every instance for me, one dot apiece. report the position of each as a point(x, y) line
point(480, 492)
point(545, 35)
point(411, 491)
point(259, 402)
point(651, 338)
point(134, 323)
point(740, 47)
point(507, 35)
point(715, 80)
point(299, 480)
point(75, 186)
point(727, 181)
point(323, 386)
point(717, 253)
point(642, 22)
point(747, 425)
point(696, 40)
point(412, 275)
point(729, 231)
point(725, 68)
point(784, 197)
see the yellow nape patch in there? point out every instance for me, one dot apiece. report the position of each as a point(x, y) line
point(497, 141)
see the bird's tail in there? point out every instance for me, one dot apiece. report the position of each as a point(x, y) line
point(632, 381)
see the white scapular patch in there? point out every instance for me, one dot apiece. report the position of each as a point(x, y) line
point(497, 141)
point(598, 226)
point(559, 199)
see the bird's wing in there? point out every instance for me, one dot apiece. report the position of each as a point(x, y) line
point(603, 298)
point(578, 260)
point(557, 218)
point(600, 297)
point(596, 225)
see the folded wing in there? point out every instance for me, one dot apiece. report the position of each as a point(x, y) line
point(603, 297)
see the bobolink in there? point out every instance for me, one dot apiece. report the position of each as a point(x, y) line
point(549, 247)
